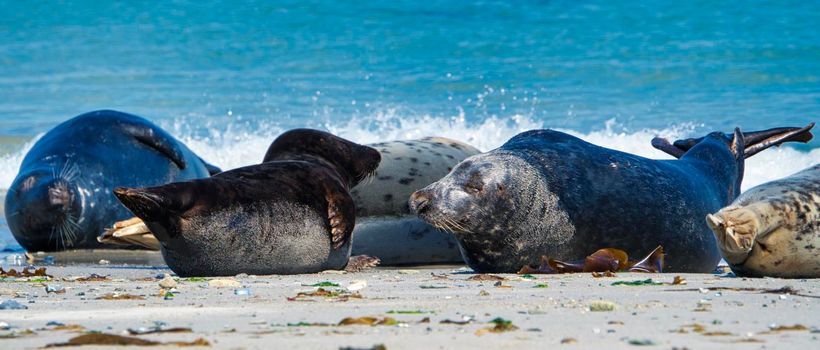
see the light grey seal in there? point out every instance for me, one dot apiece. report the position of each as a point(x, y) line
point(773, 229)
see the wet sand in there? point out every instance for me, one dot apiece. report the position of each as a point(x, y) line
point(709, 311)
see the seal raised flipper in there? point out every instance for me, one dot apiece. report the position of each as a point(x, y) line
point(756, 141)
point(212, 169)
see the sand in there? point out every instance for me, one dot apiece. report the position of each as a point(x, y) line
point(710, 311)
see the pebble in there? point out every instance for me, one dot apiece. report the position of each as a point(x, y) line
point(356, 285)
point(167, 282)
point(244, 291)
point(4, 326)
point(104, 262)
point(55, 288)
point(224, 283)
point(12, 305)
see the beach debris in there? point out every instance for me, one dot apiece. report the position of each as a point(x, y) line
point(58, 326)
point(17, 333)
point(703, 306)
point(442, 276)
point(646, 282)
point(55, 288)
point(541, 285)
point(433, 286)
point(12, 305)
point(242, 292)
point(500, 326)
point(408, 272)
point(120, 296)
point(603, 260)
point(773, 328)
point(112, 339)
point(499, 284)
point(783, 290)
point(321, 284)
point(483, 293)
point(39, 272)
point(167, 282)
point(527, 276)
point(166, 294)
point(195, 279)
point(602, 305)
point(409, 312)
point(678, 280)
point(158, 327)
point(374, 347)
point(4, 326)
point(17, 259)
point(486, 277)
point(326, 294)
point(465, 320)
point(360, 263)
point(603, 274)
point(641, 342)
point(131, 232)
point(356, 286)
point(368, 321)
point(90, 278)
point(224, 283)
point(569, 341)
point(104, 262)
point(700, 329)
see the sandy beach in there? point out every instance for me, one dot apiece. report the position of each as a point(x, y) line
point(420, 307)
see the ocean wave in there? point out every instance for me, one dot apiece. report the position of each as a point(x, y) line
point(233, 145)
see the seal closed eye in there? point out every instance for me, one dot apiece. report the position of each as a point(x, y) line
point(291, 214)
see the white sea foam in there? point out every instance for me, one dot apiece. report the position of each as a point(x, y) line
point(234, 145)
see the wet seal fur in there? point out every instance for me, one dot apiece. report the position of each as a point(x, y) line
point(61, 197)
point(773, 230)
point(548, 193)
point(385, 226)
point(292, 214)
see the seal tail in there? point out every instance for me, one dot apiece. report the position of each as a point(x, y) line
point(756, 141)
point(144, 203)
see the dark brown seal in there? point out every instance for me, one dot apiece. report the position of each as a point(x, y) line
point(291, 214)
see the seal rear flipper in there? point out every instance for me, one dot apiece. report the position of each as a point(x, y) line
point(129, 233)
point(756, 141)
point(761, 140)
point(159, 140)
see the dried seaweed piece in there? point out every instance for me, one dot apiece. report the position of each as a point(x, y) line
point(678, 280)
point(111, 339)
point(39, 272)
point(486, 277)
point(603, 274)
point(606, 260)
point(116, 296)
point(92, 278)
point(360, 263)
point(332, 295)
point(501, 326)
point(368, 321)
point(651, 263)
point(68, 327)
point(778, 329)
point(321, 284)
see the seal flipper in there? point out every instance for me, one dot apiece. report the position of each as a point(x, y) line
point(145, 204)
point(212, 169)
point(158, 207)
point(665, 146)
point(761, 142)
point(159, 140)
point(341, 214)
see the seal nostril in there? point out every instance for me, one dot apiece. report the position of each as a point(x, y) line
point(420, 202)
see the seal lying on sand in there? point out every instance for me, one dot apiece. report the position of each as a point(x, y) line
point(773, 229)
point(385, 226)
point(61, 198)
point(292, 214)
point(548, 193)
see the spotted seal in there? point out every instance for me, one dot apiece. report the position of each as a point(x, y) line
point(385, 226)
point(773, 229)
point(291, 214)
point(548, 193)
point(61, 197)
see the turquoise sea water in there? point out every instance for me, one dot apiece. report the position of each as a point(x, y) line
point(227, 78)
